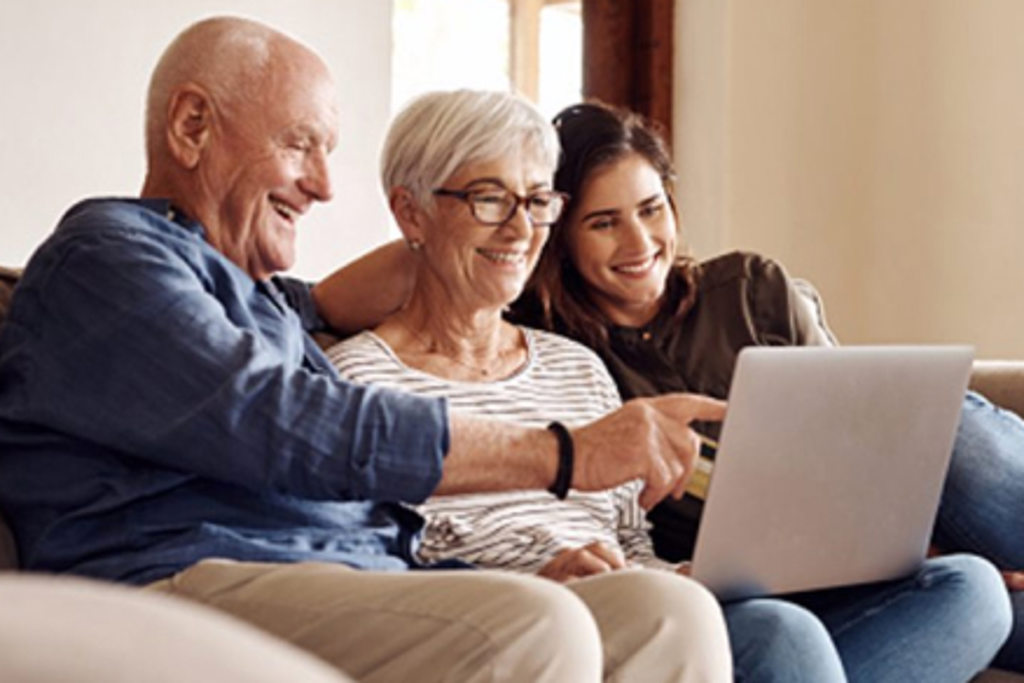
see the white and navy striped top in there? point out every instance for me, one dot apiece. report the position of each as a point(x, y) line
point(518, 530)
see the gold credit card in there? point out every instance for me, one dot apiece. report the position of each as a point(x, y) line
point(698, 484)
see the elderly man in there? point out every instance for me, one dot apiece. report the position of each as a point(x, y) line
point(166, 420)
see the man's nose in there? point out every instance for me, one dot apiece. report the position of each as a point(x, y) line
point(316, 179)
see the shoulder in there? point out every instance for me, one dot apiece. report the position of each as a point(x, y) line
point(572, 364)
point(359, 354)
point(111, 211)
point(550, 346)
point(118, 250)
point(122, 234)
point(741, 267)
point(762, 293)
point(123, 217)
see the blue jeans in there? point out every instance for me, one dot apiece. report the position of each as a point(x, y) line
point(943, 623)
point(982, 508)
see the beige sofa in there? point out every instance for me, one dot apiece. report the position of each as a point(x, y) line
point(1001, 381)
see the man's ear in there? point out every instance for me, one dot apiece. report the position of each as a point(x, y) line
point(188, 124)
point(408, 214)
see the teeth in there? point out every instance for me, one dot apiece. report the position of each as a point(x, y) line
point(283, 209)
point(502, 256)
point(636, 268)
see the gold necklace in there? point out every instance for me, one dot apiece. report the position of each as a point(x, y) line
point(432, 348)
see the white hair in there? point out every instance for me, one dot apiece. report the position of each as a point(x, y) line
point(228, 56)
point(439, 132)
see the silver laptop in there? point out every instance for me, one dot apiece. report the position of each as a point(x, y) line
point(829, 467)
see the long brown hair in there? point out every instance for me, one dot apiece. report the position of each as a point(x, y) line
point(594, 135)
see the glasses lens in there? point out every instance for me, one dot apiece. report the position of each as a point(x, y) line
point(492, 206)
point(545, 207)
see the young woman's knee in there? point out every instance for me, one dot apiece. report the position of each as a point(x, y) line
point(979, 592)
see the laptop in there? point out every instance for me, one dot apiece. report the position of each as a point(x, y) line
point(829, 467)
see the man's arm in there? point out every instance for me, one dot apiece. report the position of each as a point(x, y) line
point(360, 294)
point(134, 355)
point(648, 439)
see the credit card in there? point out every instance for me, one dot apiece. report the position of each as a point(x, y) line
point(698, 484)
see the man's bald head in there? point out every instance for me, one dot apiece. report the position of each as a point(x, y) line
point(229, 57)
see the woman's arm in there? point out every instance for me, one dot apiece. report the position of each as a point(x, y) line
point(361, 294)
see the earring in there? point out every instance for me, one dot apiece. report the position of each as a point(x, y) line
point(414, 245)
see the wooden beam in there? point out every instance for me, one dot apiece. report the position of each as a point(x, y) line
point(608, 51)
point(524, 46)
point(628, 56)
point(652, 92)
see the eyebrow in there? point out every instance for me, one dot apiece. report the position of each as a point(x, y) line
point(313, 134)
point(614, 212)
point(500, 183)
point(652, 199)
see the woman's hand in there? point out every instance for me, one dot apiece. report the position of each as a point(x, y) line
point(596, 558)
point(1014, 579)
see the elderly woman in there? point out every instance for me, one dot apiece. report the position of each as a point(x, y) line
point(468, 177)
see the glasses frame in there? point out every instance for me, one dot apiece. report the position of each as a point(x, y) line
point(466, 196)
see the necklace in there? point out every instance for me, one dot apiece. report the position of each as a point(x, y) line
point(432, 348)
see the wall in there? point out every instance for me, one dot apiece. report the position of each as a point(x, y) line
point(74, 75)
point(875, 147)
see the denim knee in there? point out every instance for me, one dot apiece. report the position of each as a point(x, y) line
point(983, 497)
point(982, 596)
point(775, 640)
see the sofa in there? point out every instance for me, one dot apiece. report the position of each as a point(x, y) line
point(1001, 381)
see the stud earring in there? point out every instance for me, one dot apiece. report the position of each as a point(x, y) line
point(414, 245)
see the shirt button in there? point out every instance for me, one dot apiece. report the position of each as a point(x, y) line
point(645, 335)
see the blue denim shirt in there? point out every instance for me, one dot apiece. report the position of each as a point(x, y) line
point(158, 407)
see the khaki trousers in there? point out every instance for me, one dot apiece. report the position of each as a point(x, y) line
point(59, 628)
point(630, 625)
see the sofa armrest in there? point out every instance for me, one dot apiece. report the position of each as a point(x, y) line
point(1000, 381)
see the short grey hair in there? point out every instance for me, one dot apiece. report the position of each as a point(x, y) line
point(227, 56)
point(438, 133)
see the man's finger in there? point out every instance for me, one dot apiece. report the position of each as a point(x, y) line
point(689, 407)
point(657, 484)
point(689, 466)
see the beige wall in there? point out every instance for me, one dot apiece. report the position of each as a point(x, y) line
point(875, 147)
point(73, 76)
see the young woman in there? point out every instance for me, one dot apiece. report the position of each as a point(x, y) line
point(610, 277)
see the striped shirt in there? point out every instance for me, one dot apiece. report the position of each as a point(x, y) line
point(518, 530)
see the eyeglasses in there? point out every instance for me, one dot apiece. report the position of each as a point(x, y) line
point(496, 205)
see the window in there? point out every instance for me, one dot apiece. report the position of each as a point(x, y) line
point(532, 46)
